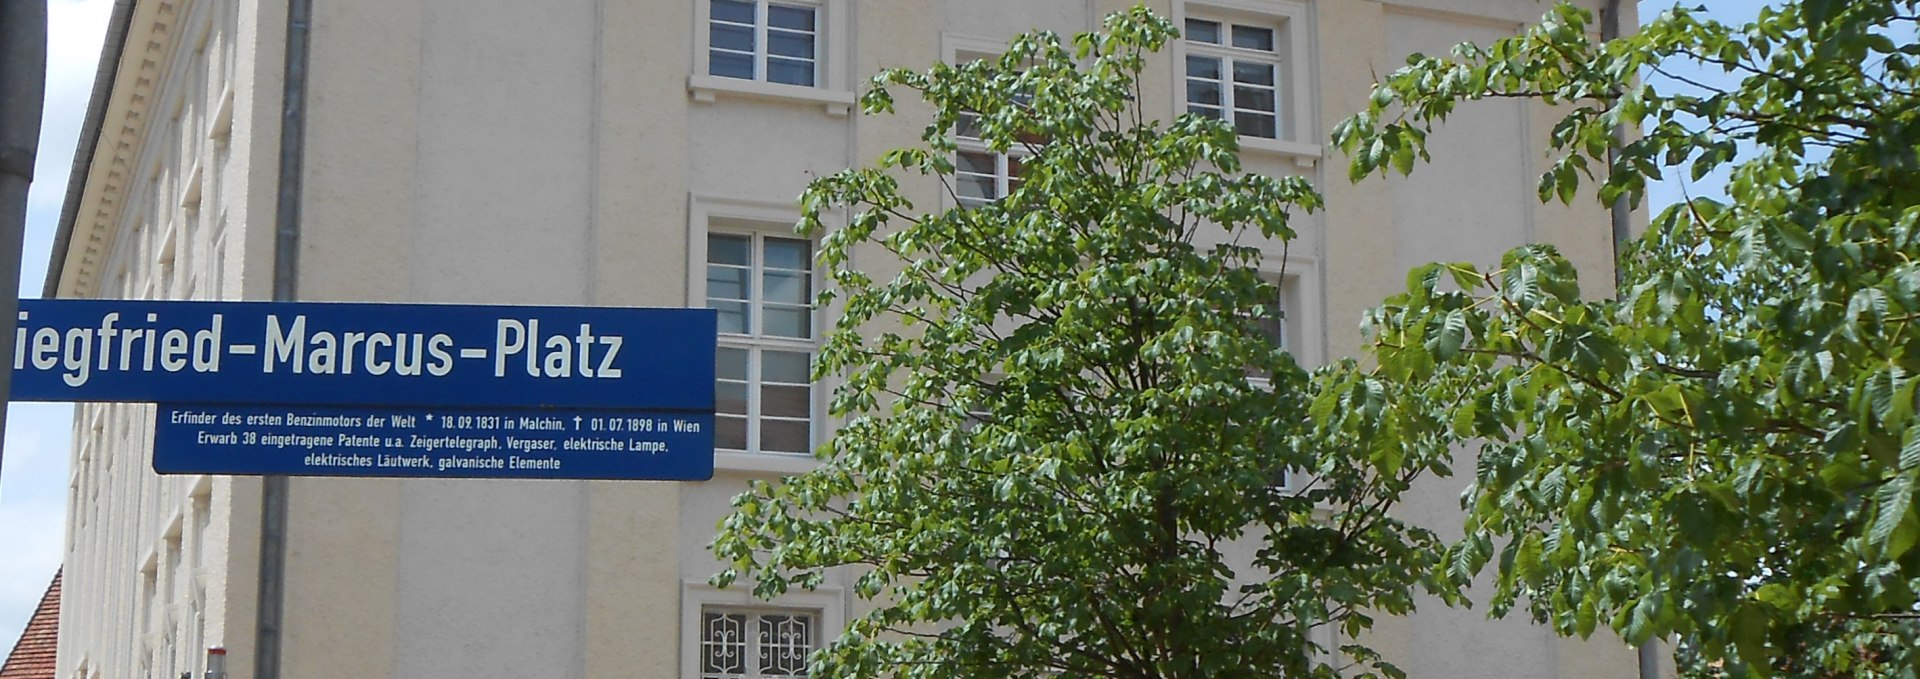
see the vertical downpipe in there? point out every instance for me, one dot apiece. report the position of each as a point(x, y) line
point(268, 632)
point(1621, 218)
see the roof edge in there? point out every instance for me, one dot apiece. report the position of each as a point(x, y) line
point(104, 76)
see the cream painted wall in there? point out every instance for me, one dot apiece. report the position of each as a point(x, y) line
point(501, 151)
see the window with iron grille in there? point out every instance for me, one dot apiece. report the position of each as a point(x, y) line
point(740, 643)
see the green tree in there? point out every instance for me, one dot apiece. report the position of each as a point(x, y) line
point(1065, 419)
point(1727, 452)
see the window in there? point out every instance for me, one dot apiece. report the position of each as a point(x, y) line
point(980, 175)
point(744, 643)
point(762, 287)
point(776, 42)
point(1234, 72)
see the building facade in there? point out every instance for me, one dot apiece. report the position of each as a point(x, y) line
point(648, 153)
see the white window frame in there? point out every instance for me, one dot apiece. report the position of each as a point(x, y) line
point(1290, 20)
point(827, 603)
point(760, 218)
point(959, 49)
point(832, 87)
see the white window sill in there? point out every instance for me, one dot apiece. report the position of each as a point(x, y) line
point(707, 88)
point(772, 463)
point(1303, 155)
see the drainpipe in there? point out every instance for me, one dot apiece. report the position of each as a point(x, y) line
point(270, 616)
point(1621, 216)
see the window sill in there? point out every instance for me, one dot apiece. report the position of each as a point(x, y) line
point(773, 463)
point(707, 88)
point(1303, 155)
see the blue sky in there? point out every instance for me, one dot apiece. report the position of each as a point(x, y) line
point(33, 481)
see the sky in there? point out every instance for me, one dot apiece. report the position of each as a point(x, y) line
point(33, 473)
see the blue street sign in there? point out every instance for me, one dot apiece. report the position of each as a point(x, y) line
point(365, 354)
point(433, 442)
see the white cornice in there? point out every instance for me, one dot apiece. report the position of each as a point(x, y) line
point(149, 44)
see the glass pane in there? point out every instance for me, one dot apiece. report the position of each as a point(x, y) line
point(1203, 31)
point(1253, 99)
point(789, 253)
point(789, 16)
point(1208, 111)
point(1015, 167)
point(733, 316)
point(1253, 38)
point(779, 401)
point(729, 64)
point(730, 432)
point(788, 288)
point(726, 282)
point(790, 71)
point(1203, 67)
point(1252, 73)
point(790, 44)
point(731, 37)
point(968, 126)
point(784, 366)
point(730, 397)
point(733, 10)
point(785, 641)
point(786, 321)
point(1205, 92)
point(975, 188)
point(730, 363)
point(974, 162)
point(727, 250)
point(783, 436)
point(1254, 124)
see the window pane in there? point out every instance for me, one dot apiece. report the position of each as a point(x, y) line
point(1203, 31)
point(1254, 124)
point(1203, 67)
point(1208, 111)
point(730, 363)
point(730, 397)
point(1252, 73)
point(790, 44)
point(784, 366)
point(779, 401)
point(789, 253)
point(1253, 99)
point(733, 10)
point(727, 250)
point(789, 16)
point(783, 436)
point(786, 321)
point(974, 162)
point(726, 282)
point(785, 641)
point(1253, 38)
point(723, 644)
point(731, 37)
point(729, 64)
point(790, 71)
point(733, 316)
point(1204, 92)
point(788, 287)
point(978, 189)
point(730, 432)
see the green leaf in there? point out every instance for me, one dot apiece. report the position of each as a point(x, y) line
point(1453, 332)
point(1892, 503)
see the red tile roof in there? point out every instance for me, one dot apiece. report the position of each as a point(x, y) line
point(32, 656)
